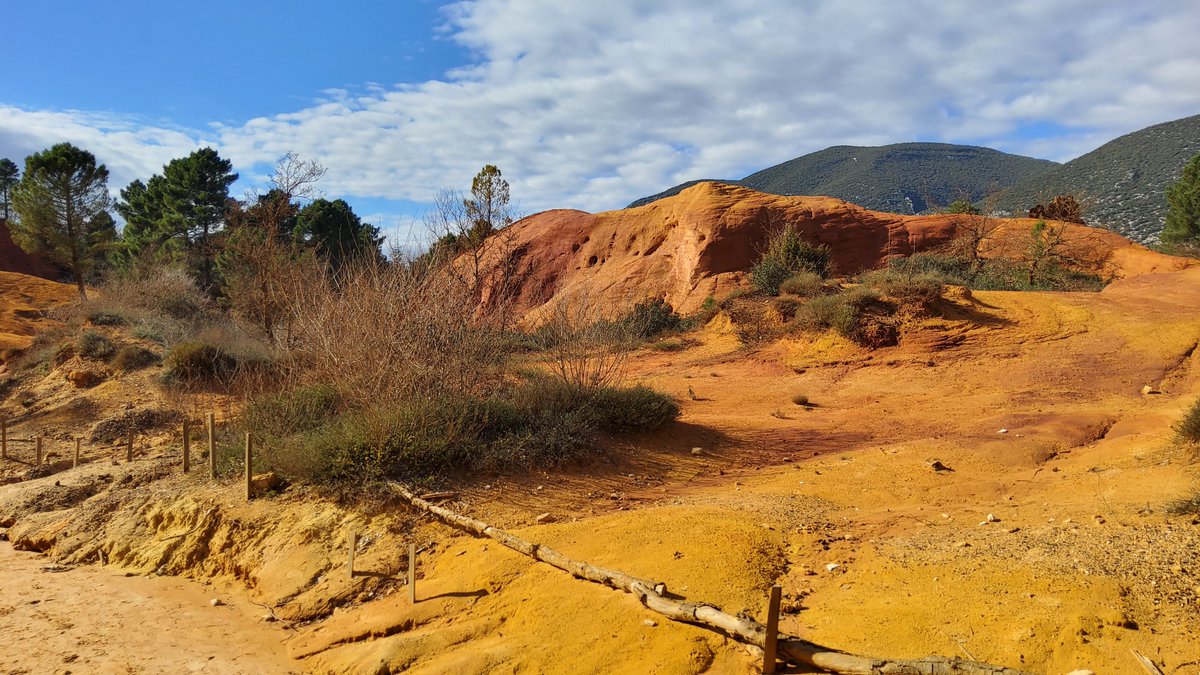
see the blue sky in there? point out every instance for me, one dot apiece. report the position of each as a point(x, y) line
point(582, 106)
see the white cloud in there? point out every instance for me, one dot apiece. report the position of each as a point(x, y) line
point(589, 106)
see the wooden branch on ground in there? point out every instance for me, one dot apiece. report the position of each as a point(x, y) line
point(744, 629)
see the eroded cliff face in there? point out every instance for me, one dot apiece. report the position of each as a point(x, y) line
point(703, 241)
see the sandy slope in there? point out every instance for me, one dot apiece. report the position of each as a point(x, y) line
point(58, 619)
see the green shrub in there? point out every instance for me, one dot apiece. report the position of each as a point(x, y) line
point(787, 255)
point(951, 269)
point(919, 288)
point(103, 318)
point(198, 363)
point(1189, 427)
point(651, 317)
point(93, 345)
point(134, 357)
point(538, 421)
point(857, 314)
point(708, 310)
point(289, 412)
point(633, 409)
point(804, 284)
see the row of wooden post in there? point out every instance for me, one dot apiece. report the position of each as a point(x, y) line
point(210, 426)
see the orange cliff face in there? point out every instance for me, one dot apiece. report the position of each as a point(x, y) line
point(703, 241)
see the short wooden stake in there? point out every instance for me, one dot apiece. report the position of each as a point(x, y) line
point(412, 573)
point(353, 547)
point(187, 446)
point(129, 449)
point(249, 463)
point(770, 647)
point(4, 438)
point(212, 447)
point(75, 463)
point(38, 442)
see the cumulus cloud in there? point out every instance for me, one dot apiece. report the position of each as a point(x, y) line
point(591, 105)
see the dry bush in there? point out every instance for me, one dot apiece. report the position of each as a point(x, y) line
point(583, 350)
point(389, 331)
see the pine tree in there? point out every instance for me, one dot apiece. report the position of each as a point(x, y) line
point(337, 234)
point(8, 180)
point(63, 203)
point(1183, 212)
point(487, 207)
point(180, 211)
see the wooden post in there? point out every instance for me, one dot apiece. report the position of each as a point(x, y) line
point(187, 446)
point(129, 449)
point(4, 438)
point(38, 443)
point(75, 463)
point(249, 462)
point(212, 447)
point(412, 573)
point(353, 547)
point(770, 648)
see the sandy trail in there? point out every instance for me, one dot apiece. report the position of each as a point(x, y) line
point(95, 620)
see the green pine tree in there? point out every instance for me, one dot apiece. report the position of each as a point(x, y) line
point(63, 203)
point(1183, 212)
point(336, 234)
point(9, 174)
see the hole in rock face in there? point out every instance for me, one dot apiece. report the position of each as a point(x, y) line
point(703, 237)
point(592, 261)
point(574, 248)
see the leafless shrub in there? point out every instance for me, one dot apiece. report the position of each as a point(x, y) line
point(584, 350)
point(388, 331)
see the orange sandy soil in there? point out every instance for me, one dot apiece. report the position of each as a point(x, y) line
point(1081, 565)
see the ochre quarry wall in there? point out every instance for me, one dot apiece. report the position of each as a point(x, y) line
point(703, 241)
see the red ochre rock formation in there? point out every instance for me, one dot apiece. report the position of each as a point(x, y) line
point(13, 259)
point(703, 241)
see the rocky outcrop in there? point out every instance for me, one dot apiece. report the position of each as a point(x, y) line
point(703, 241)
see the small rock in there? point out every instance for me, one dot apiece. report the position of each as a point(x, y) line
point(83, 378)
point(1067, 521)
point(545, 518)
point(1146, 390)
point(696, 452)
point(991, 518)
point(1081, 672)
point(215, 602)
point(265, 482)
point(1013, 530)
point(269, 618)
point(961, 544)
point(1099, 519)
point(936, 465)
point(1002, 431)
point(650, 623)
point(832, 566)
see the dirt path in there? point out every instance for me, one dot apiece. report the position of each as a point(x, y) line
point(95, 620)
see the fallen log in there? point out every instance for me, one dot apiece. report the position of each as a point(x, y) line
point(653, 595)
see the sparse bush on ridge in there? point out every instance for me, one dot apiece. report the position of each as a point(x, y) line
point(804, 284)
point(1186, 505)
point(1188, 428)
point(93, 345)
point(786, 255)
point(134, 357)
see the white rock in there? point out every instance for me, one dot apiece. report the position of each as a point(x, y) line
point(697, 451)
point(650, 622)
point(991, 518)
point(1002, 431)
point(831, 567)
point(215, 602)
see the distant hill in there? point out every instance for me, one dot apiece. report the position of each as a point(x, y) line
point(1121, 183)
point(904, 178)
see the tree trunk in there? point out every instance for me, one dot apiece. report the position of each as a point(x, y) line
point(744, 629)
